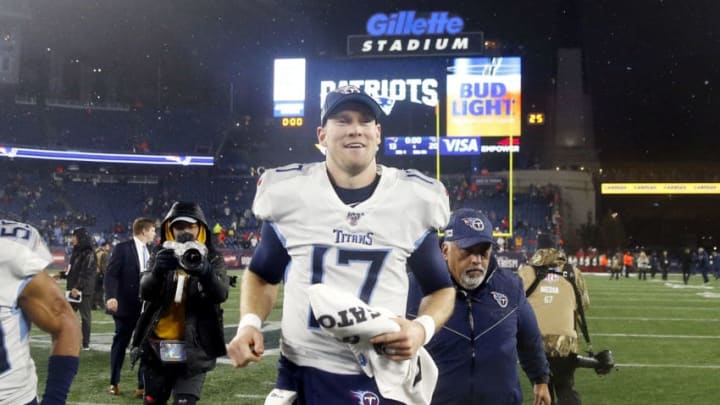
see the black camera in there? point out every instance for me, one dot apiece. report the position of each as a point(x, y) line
point(602, 362)
point(189, 253)
point(191, 258)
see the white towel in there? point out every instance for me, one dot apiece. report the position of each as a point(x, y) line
point(348, 319)
point(280, 397)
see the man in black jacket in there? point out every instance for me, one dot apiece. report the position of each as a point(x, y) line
point(180, 332)
point(122, 281)
point(81, 279)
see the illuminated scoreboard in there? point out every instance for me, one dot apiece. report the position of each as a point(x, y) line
point(449, 146)
point(292, 121)
point(289, 91)
point(458, 97)
point(410, 145)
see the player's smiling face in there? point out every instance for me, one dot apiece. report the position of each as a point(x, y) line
point(351, 136)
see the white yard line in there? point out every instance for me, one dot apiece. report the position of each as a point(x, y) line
point(650, 336)
point(709, 366)
point(631, 318)
point(662, 300)
point(658, 308)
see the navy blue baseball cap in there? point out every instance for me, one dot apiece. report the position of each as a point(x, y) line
point(345, 94)
point(468, 227)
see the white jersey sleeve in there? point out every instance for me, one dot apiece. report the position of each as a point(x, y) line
point(274, 187)
point(22, 255)
point(361, 249)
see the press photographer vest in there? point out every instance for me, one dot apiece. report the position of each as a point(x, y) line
point(554, 302)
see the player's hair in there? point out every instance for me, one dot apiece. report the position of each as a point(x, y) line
point(140, 224)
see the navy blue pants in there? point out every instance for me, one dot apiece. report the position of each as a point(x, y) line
point(123, 333)
point(317, 387)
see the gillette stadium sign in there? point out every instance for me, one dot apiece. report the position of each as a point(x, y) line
point(409, 33)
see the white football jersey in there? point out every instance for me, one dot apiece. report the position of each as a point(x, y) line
point(22, 255)
point(361, 249)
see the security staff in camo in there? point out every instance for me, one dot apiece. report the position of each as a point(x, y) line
point(557, 292)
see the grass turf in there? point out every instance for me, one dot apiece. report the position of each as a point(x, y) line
point(665, 338)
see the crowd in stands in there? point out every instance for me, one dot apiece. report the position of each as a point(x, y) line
point(105, 204)
point(135, 131)
point(58, 196)
point(536, 209)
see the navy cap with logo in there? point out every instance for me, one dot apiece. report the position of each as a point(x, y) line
point(345, 94)
point(468, 227)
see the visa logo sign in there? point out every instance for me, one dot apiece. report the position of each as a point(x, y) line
point(457, 145)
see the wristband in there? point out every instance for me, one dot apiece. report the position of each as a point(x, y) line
point(250, 320)
point(428, 323)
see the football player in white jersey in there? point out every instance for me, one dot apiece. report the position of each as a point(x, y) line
point(28, 294)
point(354, 225)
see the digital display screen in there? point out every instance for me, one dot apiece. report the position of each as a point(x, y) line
point(660, 188)
point(289, 88)
point(449, 146)
point(410, 145)
point(457, 96)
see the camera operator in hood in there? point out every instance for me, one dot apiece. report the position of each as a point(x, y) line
point(548, 280)
point(180, 332)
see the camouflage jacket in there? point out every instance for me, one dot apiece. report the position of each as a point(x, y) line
point(554, 301)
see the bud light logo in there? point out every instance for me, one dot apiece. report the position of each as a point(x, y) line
point(483, 97)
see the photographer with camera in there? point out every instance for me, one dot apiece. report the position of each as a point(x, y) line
point(179, 334)
point(557, 293)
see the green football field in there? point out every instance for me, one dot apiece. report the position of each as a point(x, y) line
point(665, 338)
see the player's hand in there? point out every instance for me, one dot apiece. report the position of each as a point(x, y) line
point(404, 344)
point(202, 270)
point(111, 305)
point(247, 346)
point(75, 293)
point(165, 261)
point(541, 394)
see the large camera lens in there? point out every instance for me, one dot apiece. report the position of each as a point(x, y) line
point(606, 360)
point(191, 259)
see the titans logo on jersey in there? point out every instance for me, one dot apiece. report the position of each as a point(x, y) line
point(366, 397)
point(362, 254)
point(22, 255)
